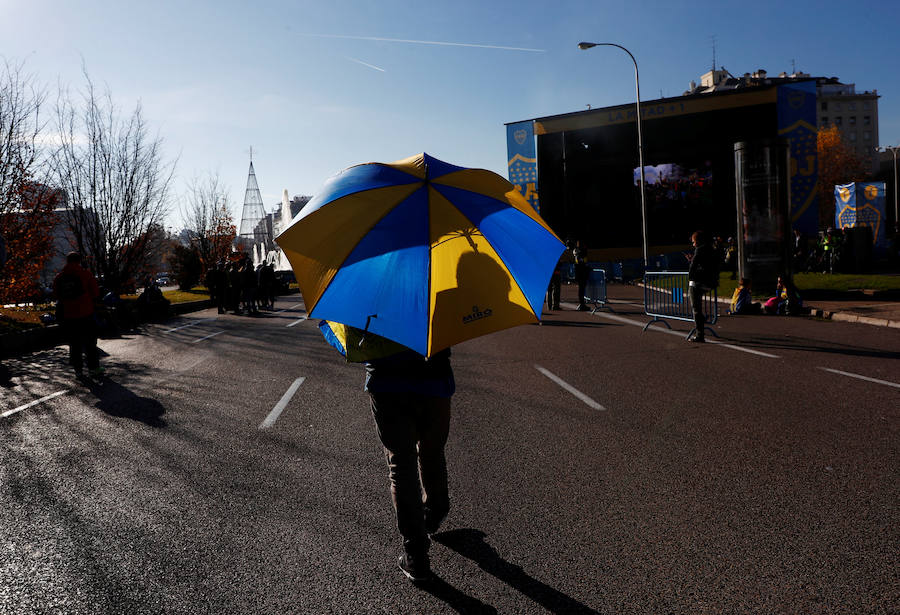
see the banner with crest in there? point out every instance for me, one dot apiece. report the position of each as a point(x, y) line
point(796, 105)
point(862, 204)
point(522, 165)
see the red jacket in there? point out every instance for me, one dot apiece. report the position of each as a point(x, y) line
point(84, 304)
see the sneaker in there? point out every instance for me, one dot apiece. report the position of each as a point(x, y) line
point(416, 569)
point(96, 372)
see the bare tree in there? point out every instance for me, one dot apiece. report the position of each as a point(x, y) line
point(26, 206)
point(206, 215)
point(116, 180)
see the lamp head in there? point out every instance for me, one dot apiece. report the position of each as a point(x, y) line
point(584, 45)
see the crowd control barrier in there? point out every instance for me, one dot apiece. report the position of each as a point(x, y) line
point(666, 297)
point(595, 290)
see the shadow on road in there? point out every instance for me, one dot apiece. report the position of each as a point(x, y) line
point(470, 543)
point(806, 345)
point(455, 599)
point(117, 400)
point(576, 323)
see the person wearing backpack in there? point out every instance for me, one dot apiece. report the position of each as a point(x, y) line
point(76, 290)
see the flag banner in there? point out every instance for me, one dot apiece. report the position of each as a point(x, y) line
point(797, 122)
point(862, 204)
point(522, 165)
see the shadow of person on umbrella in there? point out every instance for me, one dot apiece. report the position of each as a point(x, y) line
point(470, 543)
point(483, 301)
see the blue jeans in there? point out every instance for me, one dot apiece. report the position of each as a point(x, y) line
point(413, 429)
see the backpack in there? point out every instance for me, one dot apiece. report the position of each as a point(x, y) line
point(69, 287)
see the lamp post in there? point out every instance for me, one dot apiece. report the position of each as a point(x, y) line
point(893, 150)
point(637, 87)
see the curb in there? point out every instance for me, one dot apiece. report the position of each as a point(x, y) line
point(42, 338)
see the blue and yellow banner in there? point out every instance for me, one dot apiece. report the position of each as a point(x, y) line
point(522, 152)
point(797, 122)
point(862, 204)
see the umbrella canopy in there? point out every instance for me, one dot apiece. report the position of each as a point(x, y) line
point(421, 252)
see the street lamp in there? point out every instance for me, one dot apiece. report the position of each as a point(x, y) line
point(637, 87)
point(893, 150)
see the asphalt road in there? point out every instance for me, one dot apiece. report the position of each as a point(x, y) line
point(229, 465)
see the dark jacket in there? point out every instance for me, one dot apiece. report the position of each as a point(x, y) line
point(410, 372)
point(704, 268)
point(83, 305)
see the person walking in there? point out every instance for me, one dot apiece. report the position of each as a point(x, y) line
point(410, 401)
point(76, 290)
point(703, 276)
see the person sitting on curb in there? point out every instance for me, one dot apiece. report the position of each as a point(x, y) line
point(742, 301)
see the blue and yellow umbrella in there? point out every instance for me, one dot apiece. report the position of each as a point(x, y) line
point(421, 252)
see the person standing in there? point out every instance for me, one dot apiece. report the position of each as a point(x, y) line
point(410, 400)
point(703, 276)
point(76, 290)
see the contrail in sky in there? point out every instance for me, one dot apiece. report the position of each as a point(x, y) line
point(444, 43)
point(364, 63)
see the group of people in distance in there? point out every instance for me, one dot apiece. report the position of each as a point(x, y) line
point(240, 287)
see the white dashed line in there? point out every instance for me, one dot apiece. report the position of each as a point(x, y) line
point(33, 403)
point(297, 322)
point(866, 378)
point(681, 334)
point(590, 402)
point(207, 337)
point(190, 324)
point(288, 308)
point(282, 404)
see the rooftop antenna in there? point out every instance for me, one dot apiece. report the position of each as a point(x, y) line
point(713, 37)
point(793, 67)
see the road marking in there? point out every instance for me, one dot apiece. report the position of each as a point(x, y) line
point(280, 406)
point(190, 324)
point(866, 378)
point(288, 308)
point(208, 336)
point(680, 334)
point(297, 322)
point(590, 402)
point(32, 403)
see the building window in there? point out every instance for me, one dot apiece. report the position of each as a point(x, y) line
point(837, 106)
point(867, 135)
point(853, 120)
point(824, 105)
point(852, 106)
point(867, 105)
point(824, 120)
point(853, 136)
point(838, 121)
point(867, 120)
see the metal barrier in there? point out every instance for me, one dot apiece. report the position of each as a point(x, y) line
point(666, 297)
point(595, 290)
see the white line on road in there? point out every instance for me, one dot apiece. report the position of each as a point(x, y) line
point(681, 334)
point(207, 337)
point(297, 322)
point(288, 308)
point(866, 378)
point(190, 324)
point(280, 406)
point(590, 402)
point(33, 403)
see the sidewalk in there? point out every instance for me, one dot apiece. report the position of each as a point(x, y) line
point(875, 311)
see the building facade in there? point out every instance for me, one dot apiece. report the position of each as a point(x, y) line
point(855, 114)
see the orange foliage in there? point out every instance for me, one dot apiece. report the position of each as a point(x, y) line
point(838, 164)
point(28, 232)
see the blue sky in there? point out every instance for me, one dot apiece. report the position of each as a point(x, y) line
point(307, 87)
